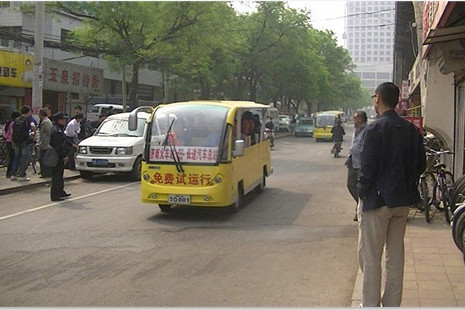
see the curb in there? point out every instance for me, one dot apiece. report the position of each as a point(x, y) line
point(18, 188)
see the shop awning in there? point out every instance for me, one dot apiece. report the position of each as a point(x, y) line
point(448, 34)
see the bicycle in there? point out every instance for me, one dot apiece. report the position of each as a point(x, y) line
point(436, 185)
point(34, 156)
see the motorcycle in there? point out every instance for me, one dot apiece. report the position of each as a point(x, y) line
point(269, 134)
point(336, 148)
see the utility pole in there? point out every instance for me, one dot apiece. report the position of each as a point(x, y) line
point(123, 86)
point(37, 81)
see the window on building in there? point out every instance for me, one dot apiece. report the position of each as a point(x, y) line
point(357, 41)
point(375, 45)
point(362, 59)
point(368, 58)
point(64, 35)
point(369, 46)
point(381, 40)
point(382, 75)
point(382, 46)
point(375, 53)
point(368, 52)
point(369, 34)
point(381, 58)
point(368, 75)
point(368, 40)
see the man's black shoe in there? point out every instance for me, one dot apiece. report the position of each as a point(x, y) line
point(58, 199)
point(65, 194)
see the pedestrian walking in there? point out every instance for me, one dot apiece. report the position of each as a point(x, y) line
point(353, 161)
point(45, 128)
point(23, 135)
point(8, 136)
point(58, 143)
point(392, 160)
point(73, 128)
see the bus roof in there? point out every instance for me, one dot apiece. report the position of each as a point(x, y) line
point(229, 104)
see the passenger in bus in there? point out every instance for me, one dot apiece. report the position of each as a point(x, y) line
point(247, 126)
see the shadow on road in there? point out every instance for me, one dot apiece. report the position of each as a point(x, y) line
point(262, 210)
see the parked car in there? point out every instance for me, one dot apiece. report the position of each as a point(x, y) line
point(304, 128)
point(284, 121)
point(113, 147)
point(102, 108)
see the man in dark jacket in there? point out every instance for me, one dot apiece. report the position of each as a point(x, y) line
point(392, 160)
point(58, 142)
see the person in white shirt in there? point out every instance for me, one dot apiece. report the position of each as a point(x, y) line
point(71, 132)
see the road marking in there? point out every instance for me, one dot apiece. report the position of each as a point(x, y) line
point(297, 165)
point(62, 202)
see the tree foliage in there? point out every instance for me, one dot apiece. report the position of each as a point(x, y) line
point(272, 54)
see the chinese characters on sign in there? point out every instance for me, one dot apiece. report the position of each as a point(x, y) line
point(68, 77)
point(185, 154)
point(15, 69)
point(181, 179)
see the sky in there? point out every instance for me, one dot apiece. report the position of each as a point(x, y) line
point(324, 14)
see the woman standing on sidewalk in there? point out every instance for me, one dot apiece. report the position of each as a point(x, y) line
point(57, 142)
point(8, 135)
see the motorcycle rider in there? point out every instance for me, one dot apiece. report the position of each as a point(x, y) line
point(269, 128)
point(338, 135)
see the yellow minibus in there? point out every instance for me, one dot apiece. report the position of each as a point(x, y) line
point(204, 153)
point(324, 122)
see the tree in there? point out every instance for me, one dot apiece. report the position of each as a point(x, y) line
point(133, 32)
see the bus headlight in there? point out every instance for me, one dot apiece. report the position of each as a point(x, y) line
point(217, 179)
point(146, 177)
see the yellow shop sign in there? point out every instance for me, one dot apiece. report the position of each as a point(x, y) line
point(15, 69)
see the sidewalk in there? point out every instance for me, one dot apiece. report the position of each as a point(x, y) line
point(7, 186)
point(434, 267)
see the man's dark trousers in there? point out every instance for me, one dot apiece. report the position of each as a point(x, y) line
point(58, 184)
point(352, 177)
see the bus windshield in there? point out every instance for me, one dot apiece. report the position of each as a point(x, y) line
point(190, 133)
point(325, 120)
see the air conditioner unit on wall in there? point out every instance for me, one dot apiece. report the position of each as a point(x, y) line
point(451, 57)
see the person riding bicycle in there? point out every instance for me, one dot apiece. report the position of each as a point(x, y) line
point(338, 135)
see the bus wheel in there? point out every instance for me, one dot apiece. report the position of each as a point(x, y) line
point(262, 184)
point(165, 208)
point(239, 203)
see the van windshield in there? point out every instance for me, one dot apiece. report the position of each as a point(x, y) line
point(194, 132)
point(119, 128)
point(325, 120)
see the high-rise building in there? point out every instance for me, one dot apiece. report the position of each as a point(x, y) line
point(369, 38)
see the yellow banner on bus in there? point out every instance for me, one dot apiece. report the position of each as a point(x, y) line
point(16, 69)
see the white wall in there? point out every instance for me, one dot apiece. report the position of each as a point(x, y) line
point(438, 101)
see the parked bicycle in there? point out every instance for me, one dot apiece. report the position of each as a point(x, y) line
point(436, 185)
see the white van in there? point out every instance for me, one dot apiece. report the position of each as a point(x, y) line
point(102, 108)
point(113, 147)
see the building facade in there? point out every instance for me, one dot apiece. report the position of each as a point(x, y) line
point(369, 38)
point(430, 60)
point(70, 78)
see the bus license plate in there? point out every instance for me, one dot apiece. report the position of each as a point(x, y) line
point(179, 199)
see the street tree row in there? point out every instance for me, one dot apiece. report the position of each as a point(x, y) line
point(272, 54)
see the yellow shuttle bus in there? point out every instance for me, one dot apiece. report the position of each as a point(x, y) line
point(324, 122)
point(203, 154)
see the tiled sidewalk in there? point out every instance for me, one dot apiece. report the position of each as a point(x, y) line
point(8, 186)
point(434, 266)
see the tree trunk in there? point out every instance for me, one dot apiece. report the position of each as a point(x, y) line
point(205, 89)
point(134, 86)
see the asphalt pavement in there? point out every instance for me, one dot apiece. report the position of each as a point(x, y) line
point(292, 245)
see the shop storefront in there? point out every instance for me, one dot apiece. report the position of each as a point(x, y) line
point(15, 81)
point(67, 85)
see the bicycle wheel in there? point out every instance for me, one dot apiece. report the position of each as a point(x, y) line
point(445, 188)
point(458, 226)
point(458, 194)
point(427, 184)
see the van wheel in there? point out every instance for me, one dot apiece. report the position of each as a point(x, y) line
point(86, 174)
point(165, 208)
point(136, 169)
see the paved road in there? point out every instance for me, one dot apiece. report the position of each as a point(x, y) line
point(293, 245)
